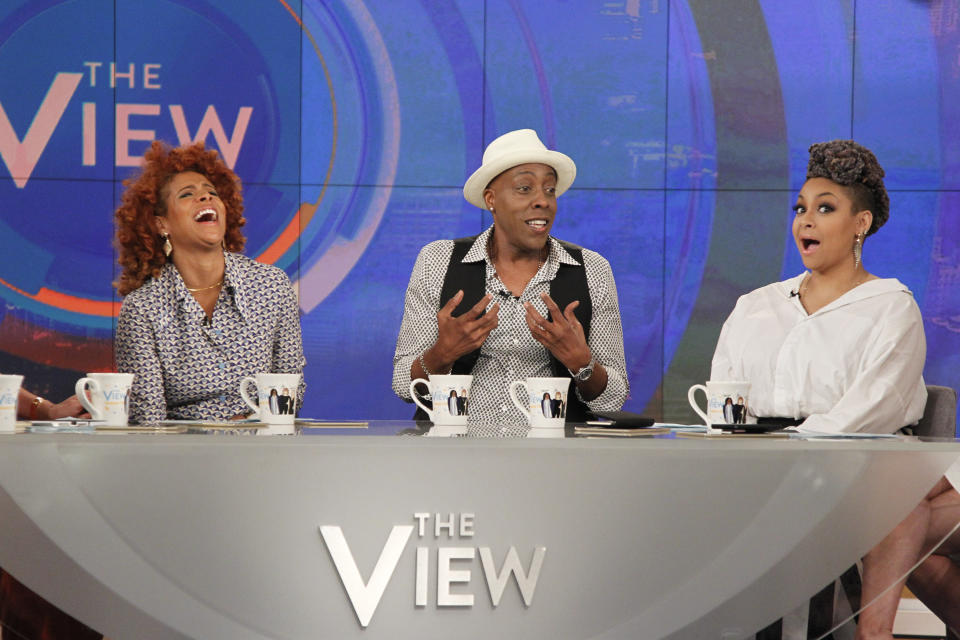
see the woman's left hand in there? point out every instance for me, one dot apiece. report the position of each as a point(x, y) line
point(562, 336)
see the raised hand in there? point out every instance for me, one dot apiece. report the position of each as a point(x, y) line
point(463, 334)
point(562, 336)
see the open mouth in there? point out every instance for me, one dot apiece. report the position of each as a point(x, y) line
point(205, 215)
point(809, 243)
point(538, 224)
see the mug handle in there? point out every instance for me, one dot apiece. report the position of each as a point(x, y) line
point(81, 390)
point(693, 403)
point(243, 393)
point(416, 399)
point(512, 391)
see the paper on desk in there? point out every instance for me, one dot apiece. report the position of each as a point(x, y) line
point(682, 427)
point(638, 432)
point(332, 424)
point(809, 434)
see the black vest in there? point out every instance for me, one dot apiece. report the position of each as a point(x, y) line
point(569, 284)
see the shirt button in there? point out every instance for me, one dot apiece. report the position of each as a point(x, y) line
point(222, 366)
point(222, 398)
point(516, 341)
point(503, 407)
point(218, 332)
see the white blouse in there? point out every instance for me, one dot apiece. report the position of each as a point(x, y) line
point(854, 365)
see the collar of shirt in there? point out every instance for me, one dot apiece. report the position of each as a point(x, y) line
point(557, 256)
point(171, 280)
point(869, 289)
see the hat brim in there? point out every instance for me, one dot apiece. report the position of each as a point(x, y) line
point(475, 185)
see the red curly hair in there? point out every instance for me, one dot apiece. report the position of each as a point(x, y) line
point(139, 243)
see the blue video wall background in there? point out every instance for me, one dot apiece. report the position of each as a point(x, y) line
point(353, 126)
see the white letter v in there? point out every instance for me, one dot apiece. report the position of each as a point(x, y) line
point(21, 158)
point(365, 597)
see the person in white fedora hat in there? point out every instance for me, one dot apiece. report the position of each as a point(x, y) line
point(514, 302)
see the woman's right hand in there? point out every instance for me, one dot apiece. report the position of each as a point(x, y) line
point(69, 408)
point(463, 334)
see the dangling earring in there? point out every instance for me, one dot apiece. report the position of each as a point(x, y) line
point(167, 247)
point(857, 250)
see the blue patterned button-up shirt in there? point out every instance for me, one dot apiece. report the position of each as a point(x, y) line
point(188, 367)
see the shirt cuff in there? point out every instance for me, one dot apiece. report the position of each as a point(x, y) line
point(401, 377)
point(613, 396)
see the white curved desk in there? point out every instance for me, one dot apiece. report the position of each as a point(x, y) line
point(201, 536)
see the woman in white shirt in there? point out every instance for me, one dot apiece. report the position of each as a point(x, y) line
point(836, 348)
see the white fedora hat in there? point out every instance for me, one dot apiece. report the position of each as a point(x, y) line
point(510, 150)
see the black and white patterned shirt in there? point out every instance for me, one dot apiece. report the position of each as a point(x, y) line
point(510, 352)
point(188, 367)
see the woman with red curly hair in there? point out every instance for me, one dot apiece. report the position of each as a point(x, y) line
point(198, 316)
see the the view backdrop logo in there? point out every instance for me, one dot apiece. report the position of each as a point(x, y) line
point(21, 155)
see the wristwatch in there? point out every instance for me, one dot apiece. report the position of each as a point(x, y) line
point(583, 374)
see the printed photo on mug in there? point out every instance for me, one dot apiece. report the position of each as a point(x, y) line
point(455, 399)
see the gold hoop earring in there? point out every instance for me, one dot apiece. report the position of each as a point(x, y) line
point(167, 247)
point(857, 250)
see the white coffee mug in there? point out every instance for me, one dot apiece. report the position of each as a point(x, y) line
point(109, 397)
point(277, 393)
point(9, 392)
point(727, 402)
point(450, 395)
point(545, 403)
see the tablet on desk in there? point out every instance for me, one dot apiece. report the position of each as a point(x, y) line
point(762, 425)
point(750, 428)
point(619, 420)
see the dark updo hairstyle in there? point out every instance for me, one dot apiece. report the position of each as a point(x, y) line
point(855, 167)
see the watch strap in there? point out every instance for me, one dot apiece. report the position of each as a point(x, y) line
point(584, 373)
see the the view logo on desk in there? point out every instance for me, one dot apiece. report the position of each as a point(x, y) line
point(365, 596)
